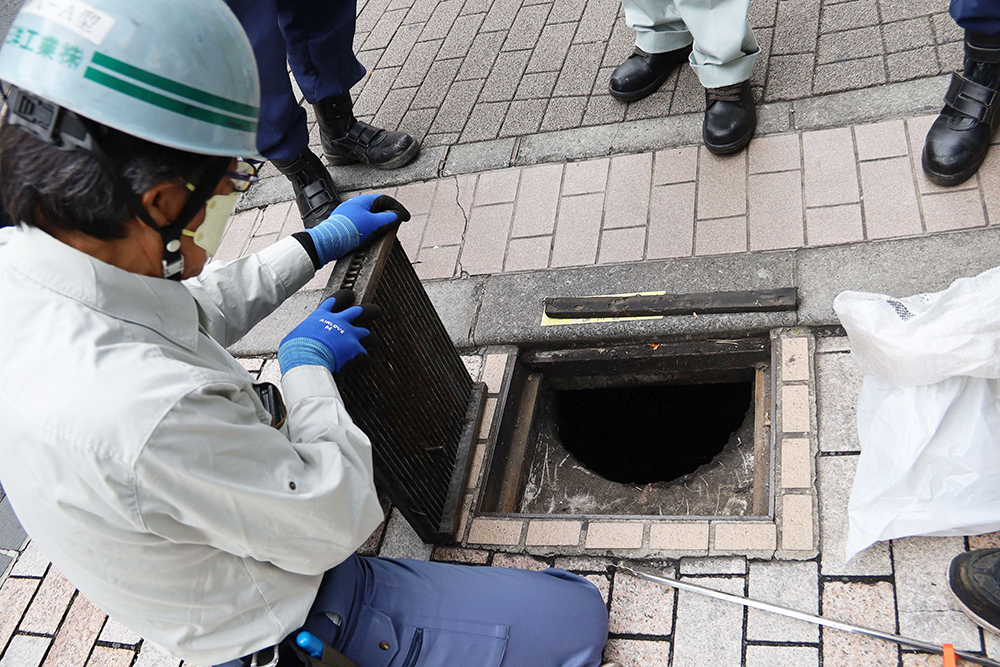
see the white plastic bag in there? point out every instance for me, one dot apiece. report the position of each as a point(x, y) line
point(928, 413)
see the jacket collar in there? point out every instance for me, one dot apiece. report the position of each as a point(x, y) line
point(165, 306)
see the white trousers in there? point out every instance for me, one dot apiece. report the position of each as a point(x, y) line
point(724, 48)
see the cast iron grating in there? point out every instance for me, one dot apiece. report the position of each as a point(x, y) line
point(416, 401)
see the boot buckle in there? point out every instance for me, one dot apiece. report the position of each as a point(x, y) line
point(971, 99)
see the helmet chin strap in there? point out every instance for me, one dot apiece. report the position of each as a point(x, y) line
point(66, 130)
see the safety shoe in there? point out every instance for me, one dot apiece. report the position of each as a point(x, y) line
point(643, 73)
point(347, 140)
point(730, 118)
point(315, 194)
point(959, 139)
point(974, 579)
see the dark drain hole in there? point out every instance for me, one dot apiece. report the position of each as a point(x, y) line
point(640, 435)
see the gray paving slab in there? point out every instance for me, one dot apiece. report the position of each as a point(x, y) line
point(640, 607)
point(786, 656)
point(401, 541)
point(789, 584)
point(714, 565)
point(512, 303)
point(835, 476)
point(12, 536)
point(457, 304)
point(838, 381)
point(479, 156)
point(899, 268)
point(263, 339)
point(5, 562)
point(709, 631)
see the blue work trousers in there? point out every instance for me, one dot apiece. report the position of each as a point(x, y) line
point(982, 16)
point(405, 613)
point(316, 37)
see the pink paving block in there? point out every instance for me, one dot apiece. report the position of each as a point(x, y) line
point(953, 210)
point(76, 635)
point(538, 200)
point(49, 605)
point(237, 234)
point(446, 221)
point(585, 177)
point(417, 197)
point(258, 243)
point(881, 140)
point(578, 230)
point(671, 221)
point(497, 187)
point(989, 180)
point(528, 253)
point(776, 153)
point(15, 594)
point(890, 199)
point(722, 189)
point(486, 239)
point(273, 218)
point(725, 235)
point(437, 262)
point(627, 201)
point(830, 171)
point(776, 211)
point(834, 224)
point(411, 234)
point(622, 245)
point(675, 165)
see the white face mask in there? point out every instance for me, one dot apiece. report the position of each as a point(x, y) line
point(218, 210)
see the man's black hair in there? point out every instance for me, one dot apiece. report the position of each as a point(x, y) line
point(69, 190)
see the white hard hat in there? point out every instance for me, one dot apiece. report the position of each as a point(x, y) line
point(180, 73)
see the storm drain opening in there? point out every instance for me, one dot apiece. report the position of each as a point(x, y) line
point(680, 429)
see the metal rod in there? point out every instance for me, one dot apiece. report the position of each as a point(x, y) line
point(803, 616)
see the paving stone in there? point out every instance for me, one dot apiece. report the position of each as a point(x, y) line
point(578, 230)
point(677, 165)
point(588, 176)
point(895, 11)
point(369, 16)
point(776, 222)
point(849, 75)
point(25, 651)
point(794, 359)
point(926, 608)
point(689, 94)
point(495, 531)
point(742, 537)
point(796, 515)
point(526, 254)
point(638, 652)
point(437, 263)
point(410, 235)
point(868, 605)
point(890, 201)
point(536, 87)
point(49, 606)
point(394, 107)
point(775, 153)
point(786, 656)
point(535, 209)
point(671, 221)
point(151, 655)
point(480, 156)
point(614, 535)
point(797, 27)
point(563, 113)
point(484, 121)
point(564, 11)
point(945, 29)
point(720, 236)
point(602, 582)
point(789, 584)
point(795, 409)
point(583, 564)
point(116, 633)
point(622, 245)
point(881, 140)
point(834, 224)
point(621, 44)
point(15, 594)
point(953, 210)
point(397, 50)
point(641, 607)
point(457, 107)
point(104, 656)
point(796, 464)
point(441, 20)
point(505, 76)
point(457, 555)
point(700, 617)
point(375, 92)
point(552, 48)
point(830, 171)
point(951, 56)
point(523, 117)
point(271, 372)
point(789, 77)
point(849, 45)
point(385, 29)
point(721, 185)
point(677, 536)
point(627, 200)
point(597, 22)
point(989, 179)
point(527, 28)
point(519, 562)
point(401, 541)
point(831, 344)
point(497, 187)
point(77, 635)
point(553, 533)
point(501, 15)
point(603, 109)
point(835, 475)
point(487, 420)
point(913, 64)
point(659, 104)
point(486, 238)
point(848, 15)
point(31, 563)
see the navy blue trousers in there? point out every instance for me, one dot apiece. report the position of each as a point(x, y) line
point(404, 613)
point(316, 37)
point(981, 16)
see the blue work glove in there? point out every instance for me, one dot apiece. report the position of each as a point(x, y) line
point(352, 223)
point(330, 336)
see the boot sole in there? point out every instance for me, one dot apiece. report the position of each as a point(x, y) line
point(401, 160)
point(636, 95)
point(949, 180)
point(734, 147)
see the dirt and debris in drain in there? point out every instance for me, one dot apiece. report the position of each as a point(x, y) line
point(675, 450)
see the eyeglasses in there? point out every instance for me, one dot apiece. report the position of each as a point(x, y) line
point(244, 175)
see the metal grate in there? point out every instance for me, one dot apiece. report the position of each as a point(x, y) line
point(416, 401)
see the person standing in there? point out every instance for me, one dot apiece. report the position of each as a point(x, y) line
point(715, 38)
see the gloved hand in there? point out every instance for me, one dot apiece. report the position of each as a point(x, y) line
point(330, 336)
point(352, 223)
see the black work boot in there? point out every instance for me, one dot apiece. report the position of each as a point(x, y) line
point(643, 73)
point(959, 139)
point(730, 118)
point(347, 140)
point(315, 194)
point(974, 579)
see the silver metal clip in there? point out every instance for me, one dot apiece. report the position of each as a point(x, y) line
point(261, 659)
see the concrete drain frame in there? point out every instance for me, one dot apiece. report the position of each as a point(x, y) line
point(787, 529)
